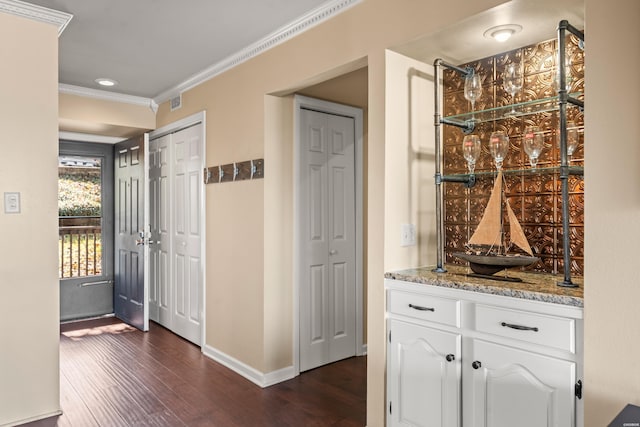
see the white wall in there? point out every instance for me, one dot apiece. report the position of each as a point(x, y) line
point(612, 209)
point(29, 297)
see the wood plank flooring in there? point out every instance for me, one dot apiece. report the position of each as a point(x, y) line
point(114, 375)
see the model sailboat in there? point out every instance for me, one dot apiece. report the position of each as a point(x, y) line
point(487, 247)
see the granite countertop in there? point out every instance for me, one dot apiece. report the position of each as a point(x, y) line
point(534, 286)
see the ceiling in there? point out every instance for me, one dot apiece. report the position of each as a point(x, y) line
point(464, 41)
point(152, 46)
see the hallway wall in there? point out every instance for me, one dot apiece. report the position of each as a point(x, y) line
point(29, 296)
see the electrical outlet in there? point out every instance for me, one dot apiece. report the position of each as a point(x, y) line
point(11, 202)
point(408, 235)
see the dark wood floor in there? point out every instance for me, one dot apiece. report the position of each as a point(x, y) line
point(114, 375)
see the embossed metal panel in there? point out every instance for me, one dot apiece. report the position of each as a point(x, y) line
point(535, 198)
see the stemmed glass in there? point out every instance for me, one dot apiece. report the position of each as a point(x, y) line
point(533, 142)
point(471, 150)
point(512, 83)
point(472, 89)
point(498, 147)
point(568, 78)
point(572, 138)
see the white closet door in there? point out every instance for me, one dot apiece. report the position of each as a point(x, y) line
point(327, 222)
point(175, 175)
point(187, 233)
point(160, 239)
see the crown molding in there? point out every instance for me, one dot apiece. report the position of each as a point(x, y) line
point(104, 95)
point(88, 137)
point(36, 13)
point(304, 23)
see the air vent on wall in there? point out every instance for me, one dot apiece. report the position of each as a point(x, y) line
point(176, 102)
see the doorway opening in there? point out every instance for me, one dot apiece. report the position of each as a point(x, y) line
point(85, 229)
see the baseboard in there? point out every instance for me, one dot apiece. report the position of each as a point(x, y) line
point(32, 419)
point(363, 350)
point(252, 374)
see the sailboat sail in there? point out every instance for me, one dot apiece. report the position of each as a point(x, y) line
point(517, 235)
point(489, 231)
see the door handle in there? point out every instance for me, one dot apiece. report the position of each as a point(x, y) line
point(145, 241)
point(333, 252)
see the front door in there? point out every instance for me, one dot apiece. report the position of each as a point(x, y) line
point(85, 190)
point(327, 228)
point(131, 233)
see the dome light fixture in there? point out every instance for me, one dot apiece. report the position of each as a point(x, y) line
point(502, 33)
point(106, 82)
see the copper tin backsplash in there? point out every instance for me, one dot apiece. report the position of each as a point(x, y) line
point(535, 198)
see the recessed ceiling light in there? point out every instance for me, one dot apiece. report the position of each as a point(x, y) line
point(106, 82)
point(502, 33)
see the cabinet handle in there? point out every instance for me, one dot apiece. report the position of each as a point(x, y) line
point(476, 364)
point(519, 327)
point(420, 308)
point(450, 357)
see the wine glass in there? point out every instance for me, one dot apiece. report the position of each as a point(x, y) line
point(572, 138)
point(533, 142)
point(471, 150)
point(498, 147)
point(472, 89)
point(567, 75)
point(512, 83)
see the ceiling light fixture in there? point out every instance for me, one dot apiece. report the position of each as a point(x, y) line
point(106, 82)
point(502, 33)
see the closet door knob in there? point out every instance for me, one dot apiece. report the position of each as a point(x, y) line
point(476, 364)
point(450, 357)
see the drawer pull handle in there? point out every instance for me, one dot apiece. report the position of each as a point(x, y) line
point(520, 327)
point(420, 308)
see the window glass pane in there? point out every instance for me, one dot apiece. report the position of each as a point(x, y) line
point(80, 216)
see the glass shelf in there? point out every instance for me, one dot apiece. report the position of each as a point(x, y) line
point(462, 177)
point(505, 111)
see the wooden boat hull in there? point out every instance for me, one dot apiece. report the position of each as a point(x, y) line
point(491, 264)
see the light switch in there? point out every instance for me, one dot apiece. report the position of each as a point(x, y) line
point(11, 202)
point(408, 235)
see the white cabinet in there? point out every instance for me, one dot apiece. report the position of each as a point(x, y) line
point(463, 358)
point(424, 376)
point(511, 387)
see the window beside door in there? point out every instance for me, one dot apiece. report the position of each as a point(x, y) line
point(80, 216)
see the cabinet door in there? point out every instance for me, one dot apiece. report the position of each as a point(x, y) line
point(424, 384)
point(517, 388)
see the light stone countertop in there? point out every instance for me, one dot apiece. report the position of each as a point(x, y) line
point(534, 286)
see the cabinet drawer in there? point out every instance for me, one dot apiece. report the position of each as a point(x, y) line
point(424, 307)
point(551, 331)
